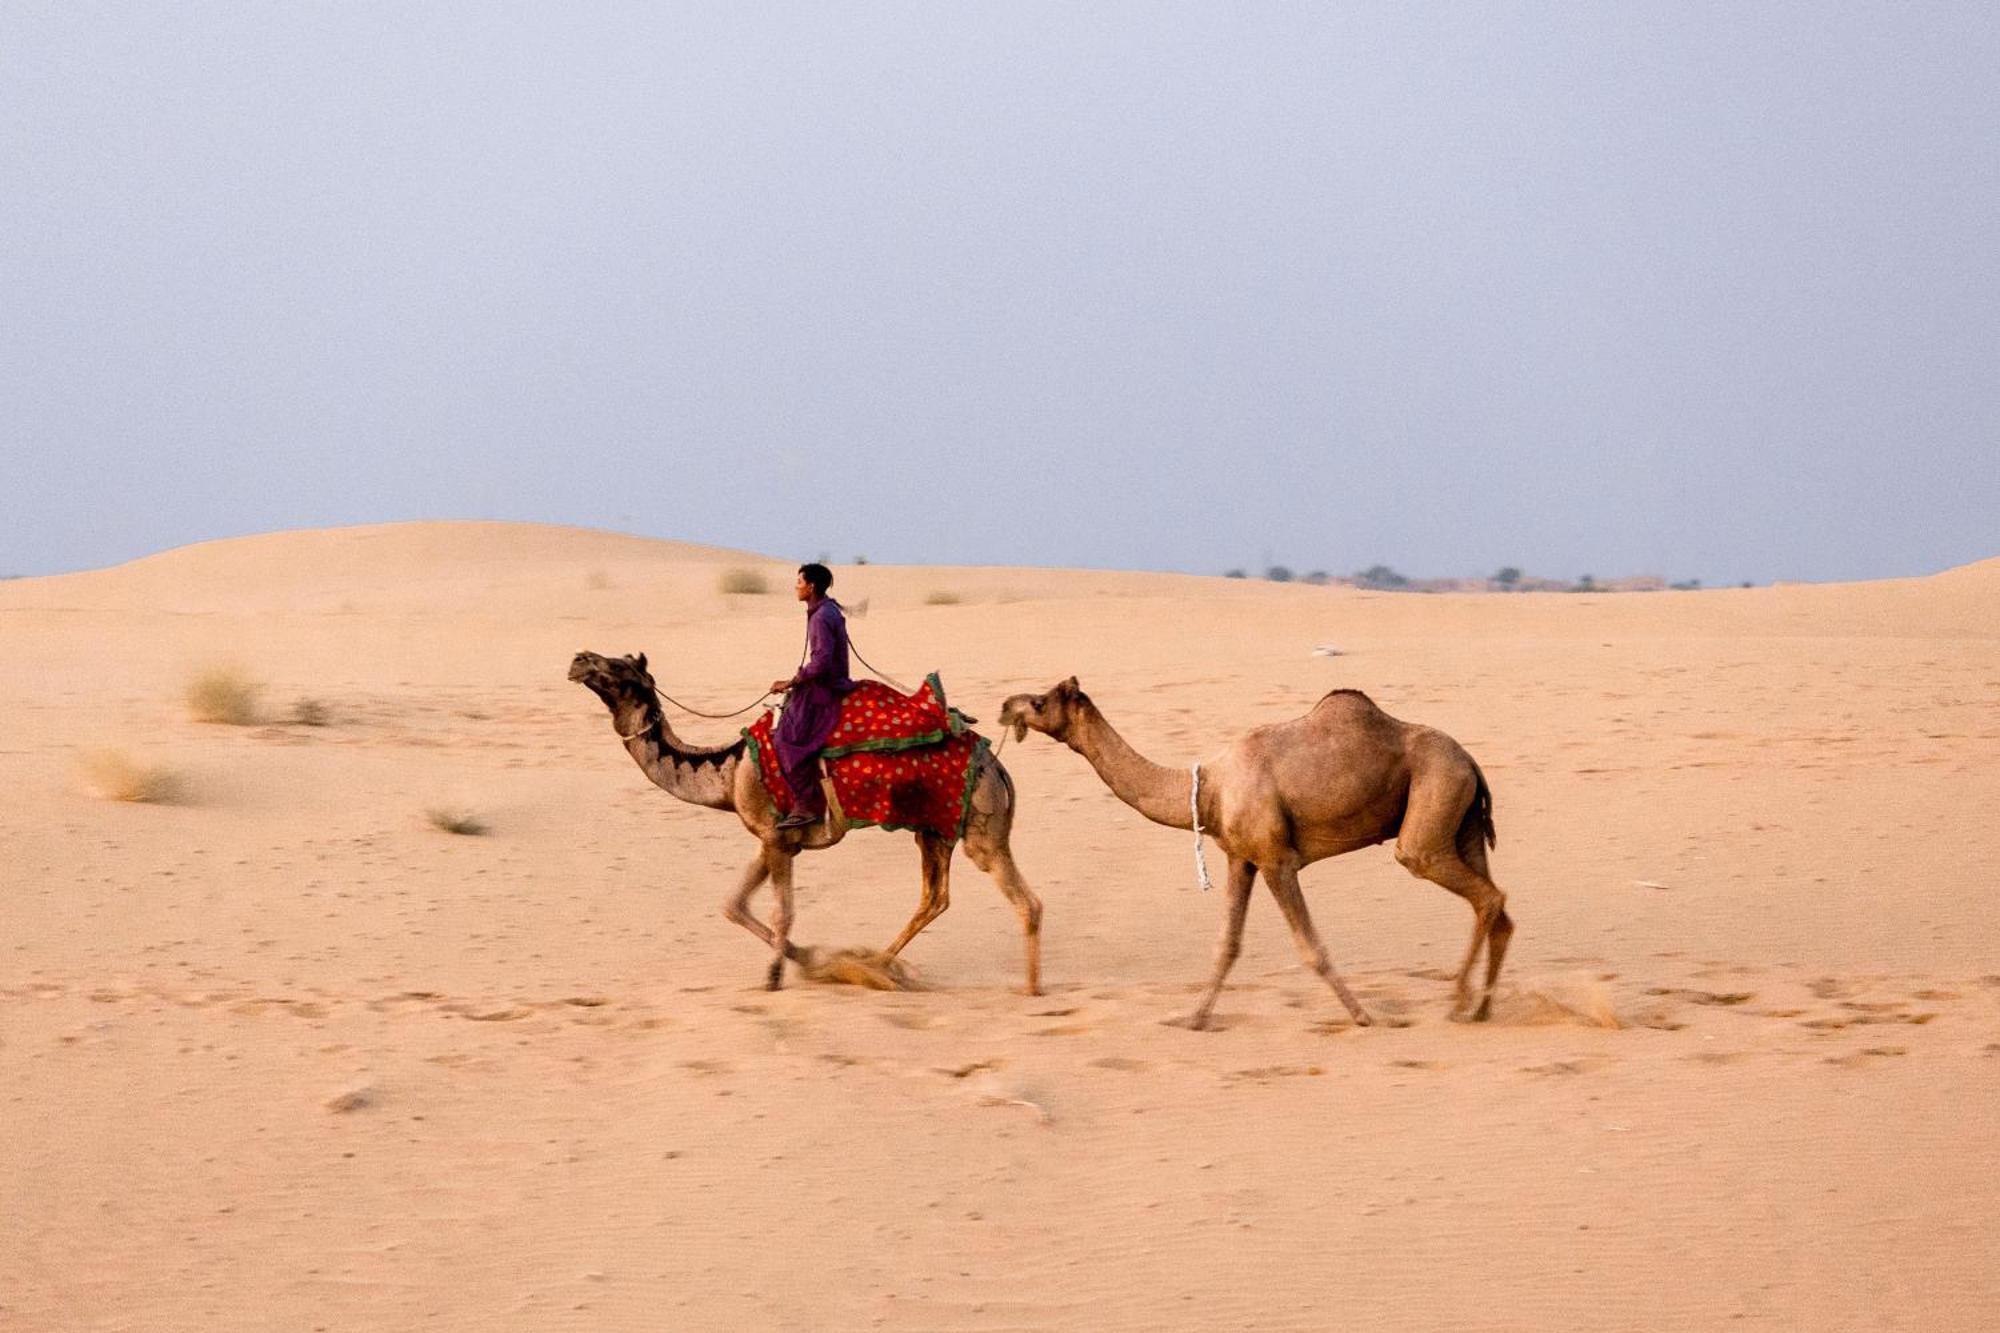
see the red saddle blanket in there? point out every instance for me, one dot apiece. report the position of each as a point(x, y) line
point(898, 761)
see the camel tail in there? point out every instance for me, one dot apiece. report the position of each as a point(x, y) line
point(1478, 822)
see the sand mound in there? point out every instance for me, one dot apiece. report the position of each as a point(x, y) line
point(858, 967)
point(464, 561)
point(1576, 998)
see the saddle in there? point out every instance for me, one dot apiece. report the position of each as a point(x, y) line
point(893, 760)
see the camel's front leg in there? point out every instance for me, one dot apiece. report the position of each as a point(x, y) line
point(1242, 878)
point(781, 920)
point(737, 909)
point(936, 854)
point(1284, 882)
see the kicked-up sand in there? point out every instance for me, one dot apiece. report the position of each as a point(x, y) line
point(283, 1052)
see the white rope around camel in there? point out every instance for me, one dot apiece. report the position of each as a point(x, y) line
point(1194, 809)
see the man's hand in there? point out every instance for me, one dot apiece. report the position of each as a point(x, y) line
point(780, 686)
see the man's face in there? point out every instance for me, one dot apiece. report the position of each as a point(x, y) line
point(803, 589)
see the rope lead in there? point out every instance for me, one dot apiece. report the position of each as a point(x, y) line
point(1194, 809)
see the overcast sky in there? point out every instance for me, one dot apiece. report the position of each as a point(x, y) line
point(1709, 291)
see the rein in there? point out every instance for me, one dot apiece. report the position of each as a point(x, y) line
point(698, 713)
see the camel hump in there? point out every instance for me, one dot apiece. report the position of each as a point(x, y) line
point(1347, 700)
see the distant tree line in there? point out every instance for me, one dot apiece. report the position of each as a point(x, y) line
point(1508, 578)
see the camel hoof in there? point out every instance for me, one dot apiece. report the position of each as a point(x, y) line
point(1196, 1022)
point(1361, 1019)
point(776, 979)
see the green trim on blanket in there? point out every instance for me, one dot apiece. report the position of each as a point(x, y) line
point(972, 763)
point(886, 744)
point(757, 762)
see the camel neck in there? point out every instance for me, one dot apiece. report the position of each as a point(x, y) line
point(1154, 790)
point(699, 775)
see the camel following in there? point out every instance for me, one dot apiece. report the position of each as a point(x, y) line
point(722, 777)
point(1345, 775)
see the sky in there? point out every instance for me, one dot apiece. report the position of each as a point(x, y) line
point(1701, 290)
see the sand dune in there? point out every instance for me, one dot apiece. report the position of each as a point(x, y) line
point(282, 1054)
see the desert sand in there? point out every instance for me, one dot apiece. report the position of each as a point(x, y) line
point(281, 1054)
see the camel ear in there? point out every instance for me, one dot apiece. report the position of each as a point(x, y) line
point(1069, 689)
point(641, 660)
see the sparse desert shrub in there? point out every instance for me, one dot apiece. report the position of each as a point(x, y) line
point(225, 695)
point(116, 776)
point(1278, 574)
point(743, 582)
point(1318, 578)
point(460, 822)
point(597, 580)
point(1379, 577)
point(1235, 574)
point(310, 713)
point(942, 597)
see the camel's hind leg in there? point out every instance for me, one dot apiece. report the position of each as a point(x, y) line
point(1499, 932)
point(1284, 884)
point(1429, 847)
point(936, 855)
point(996, 858)
point(1242, 878)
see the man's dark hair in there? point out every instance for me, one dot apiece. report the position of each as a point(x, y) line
point(819, 576)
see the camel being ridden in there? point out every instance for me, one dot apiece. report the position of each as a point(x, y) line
point(723, 777)
point(1346, 775)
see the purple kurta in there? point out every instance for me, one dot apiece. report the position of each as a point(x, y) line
point(812, 708)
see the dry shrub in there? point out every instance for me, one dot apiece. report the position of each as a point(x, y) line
point(858, 967)
point(1580, 999)
point(744, 582)
point(116, 776)
point(461, 822)
point(310, 713)
point(597, 580)
point(942, 597)
point(225, 695)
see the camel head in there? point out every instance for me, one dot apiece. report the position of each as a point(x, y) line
point(615, 680)
point(1050, 713)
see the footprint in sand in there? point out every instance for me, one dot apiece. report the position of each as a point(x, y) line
point(297, 1008)
point(487, 1014)
point(1266, 1073)
point(1725, 998)
point(1862, 1057)
point(1864, 1019)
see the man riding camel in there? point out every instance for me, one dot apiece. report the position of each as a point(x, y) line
point(812, 706)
